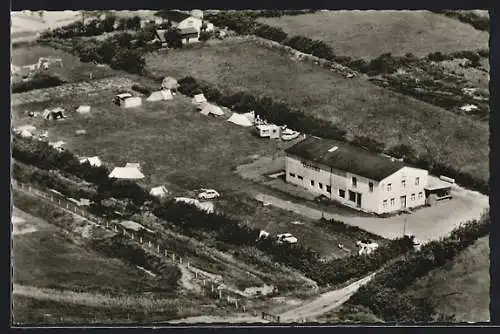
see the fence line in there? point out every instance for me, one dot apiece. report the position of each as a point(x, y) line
point(211, 287)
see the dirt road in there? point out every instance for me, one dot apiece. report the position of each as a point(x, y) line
point(322, 304)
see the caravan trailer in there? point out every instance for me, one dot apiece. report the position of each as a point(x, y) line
point(271, 131)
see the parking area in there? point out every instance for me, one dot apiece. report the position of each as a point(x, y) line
point(427, 223)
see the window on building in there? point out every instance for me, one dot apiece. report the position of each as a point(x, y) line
point(292, 174)
point(352, 196)
point(389, 186)
point(320, 185)
point(384, 203)
point(420, 195)
point(403, 184)
point(392, 201)
point(412, 197)
point(312, 183)
point(370, 186)
point(328, 189)
point(417, 181)
point(342, 193)
point(300, 177)
point(354, 182)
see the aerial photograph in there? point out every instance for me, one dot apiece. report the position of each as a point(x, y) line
point(232, 167)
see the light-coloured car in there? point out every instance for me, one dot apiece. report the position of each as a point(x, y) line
point(286, 238)
point(208, 194)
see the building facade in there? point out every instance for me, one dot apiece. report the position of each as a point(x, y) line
point(343, 174)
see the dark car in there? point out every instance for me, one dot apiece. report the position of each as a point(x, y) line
point(322, 199)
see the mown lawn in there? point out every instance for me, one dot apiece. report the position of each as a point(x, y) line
point(368, 34)
point(462, 286)
point(355, 104)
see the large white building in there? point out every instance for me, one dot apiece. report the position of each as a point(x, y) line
point(355, 177)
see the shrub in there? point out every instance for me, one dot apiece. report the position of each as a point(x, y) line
point(141, 89)
point(38, 81)
point(129, 60)
point(272, 33)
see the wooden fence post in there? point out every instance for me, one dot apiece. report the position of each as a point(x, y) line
point(140, 240)
point(158, 248)
point(166, 252)
point(180, 260)
point(132, 236)
point(173, 257)
point(149, 243)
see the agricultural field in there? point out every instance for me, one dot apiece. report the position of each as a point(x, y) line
point(73, 69)
point(354, 104)
point(368, 34)
point(462, 286)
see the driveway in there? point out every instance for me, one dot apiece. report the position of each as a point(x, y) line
point(428, 223)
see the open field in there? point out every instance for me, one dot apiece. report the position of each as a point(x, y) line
point(462, 286)
point(355, 104)
point(46, 259)
point(73, 69)
point(368, 34)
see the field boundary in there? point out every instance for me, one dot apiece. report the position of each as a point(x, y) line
point(212, 285)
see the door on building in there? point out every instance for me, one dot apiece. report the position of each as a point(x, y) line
point(403, 202)
point(358, 200)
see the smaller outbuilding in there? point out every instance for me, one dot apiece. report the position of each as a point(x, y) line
point(211, 109)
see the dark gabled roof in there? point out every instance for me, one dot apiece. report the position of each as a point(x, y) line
point(346, 158)
point(188, 31)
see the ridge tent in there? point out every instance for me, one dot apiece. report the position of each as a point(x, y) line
point(160, 191)
point(240, 119)
point(169, 83)
point(127, 173)
point(83, 109)
point(212, 109)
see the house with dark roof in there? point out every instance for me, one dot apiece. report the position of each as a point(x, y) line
point(355, 177)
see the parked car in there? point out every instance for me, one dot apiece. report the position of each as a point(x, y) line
point(322, 199)
point(208, 194)
point(286, 238)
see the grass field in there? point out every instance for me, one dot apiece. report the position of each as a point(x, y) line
point(47, 259)
point(357, 105)
point(368, 34)
point(177, 147)
point(462, 286)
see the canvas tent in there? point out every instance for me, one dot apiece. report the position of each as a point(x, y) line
point(132, 102)
point(126, 173)
point(212, 109)
point(160, 191)
point(240, 119)
point(169, 83)
point(83, 109)
point(199, 99)
point(93, 161)
point(160, 95)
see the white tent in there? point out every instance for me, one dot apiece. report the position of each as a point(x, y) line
point(160, 95)
point(160, 191)
point(212, 109)
point(199, 99)
point(26, 134)
point(169, 83)
point(240, 119)
point(93, 161)
point(83, 109)
point(250, 116)
point(132, 102)
point(127, 173)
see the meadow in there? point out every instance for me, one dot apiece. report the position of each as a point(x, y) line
point(368, 34)
point(356, 105)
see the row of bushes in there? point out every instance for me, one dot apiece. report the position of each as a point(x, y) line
point(38, 81)
point(389, 285)
point(188, 218)
point(279, 113)
point(477, 21)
